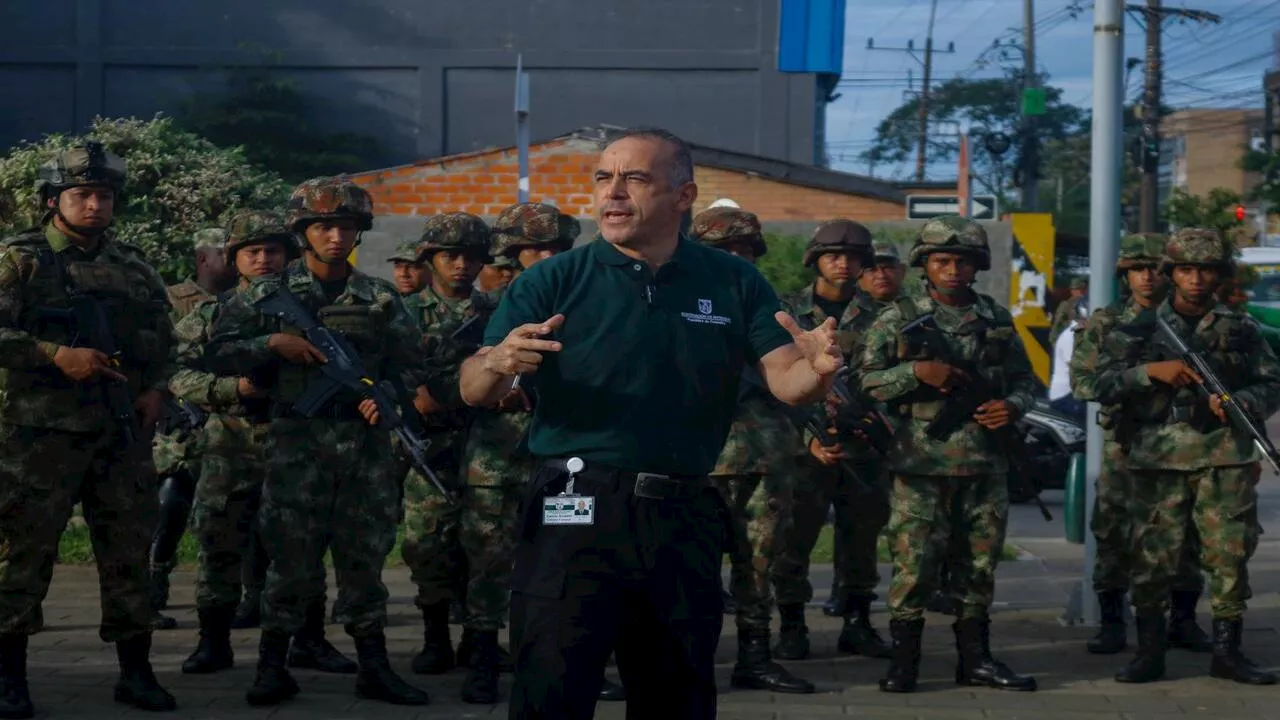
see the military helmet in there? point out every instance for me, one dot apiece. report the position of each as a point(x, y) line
point(533, 225)
point(840, 235)
point(952, 234)
point(88, 164)
point(256, 227)
point(215, 238)
point(329, 198)
point(1197, 246)
point(1140, 249)
point(454, 231)
point(725, 226)
point(887, 252)
point(407, 251)
point(505, 262)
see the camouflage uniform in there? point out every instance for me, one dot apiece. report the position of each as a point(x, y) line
point(755, 474)
point(332, 481)
point(433, 545)
point(59, 442)
point(1112, 519)
point(409, 251)
point(1191, 472)
point(1065, 312)
point(856, 487)
point(950, 498)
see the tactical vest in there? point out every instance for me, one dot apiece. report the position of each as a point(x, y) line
point(994, 342)
point(185, 296)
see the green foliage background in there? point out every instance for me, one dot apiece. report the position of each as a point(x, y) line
point(178, 183)
point(782, 265)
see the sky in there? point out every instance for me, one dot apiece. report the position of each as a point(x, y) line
point(1206, 65)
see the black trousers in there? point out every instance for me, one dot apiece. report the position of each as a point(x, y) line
point(642, 582)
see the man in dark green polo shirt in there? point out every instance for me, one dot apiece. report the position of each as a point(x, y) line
point(635, 343)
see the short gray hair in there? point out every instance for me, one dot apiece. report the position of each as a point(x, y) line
point(682, 161)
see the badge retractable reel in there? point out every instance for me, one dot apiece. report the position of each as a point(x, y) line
point(569, 508)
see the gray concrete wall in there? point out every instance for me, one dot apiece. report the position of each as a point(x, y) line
point(380, 242)
point(426, 78)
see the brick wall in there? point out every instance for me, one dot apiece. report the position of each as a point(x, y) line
point(560, 173)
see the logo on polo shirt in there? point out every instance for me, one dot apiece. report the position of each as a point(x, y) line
point(704, 315)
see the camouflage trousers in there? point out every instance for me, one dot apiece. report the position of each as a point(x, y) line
point(956, 521)
point(1113, 528)
point(226, 507)
point(176, 451)
point(760, 507)
point(1169, 507)
point(861, 511)
point(431, 547)
point(331, 485)
point(43, 474)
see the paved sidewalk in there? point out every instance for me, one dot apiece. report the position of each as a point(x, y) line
point(72, 671)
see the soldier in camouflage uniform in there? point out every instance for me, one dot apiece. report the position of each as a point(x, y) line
point(1065, 312)
point(61, 441)
point(232, 468)
point(497, 466)
point(497, 275)
point(410, 273)
point(755, 473)
point(333, 482)
point(848, 473)
point(175, 450)
point(454, 246)
point(1141, 287)
point(1193, 472)
point(950, 497)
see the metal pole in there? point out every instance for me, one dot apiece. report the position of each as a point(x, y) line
point(1148, 206)
point(1031, 142)
point(922, 113)
point(1104, 231)
point(522, 130)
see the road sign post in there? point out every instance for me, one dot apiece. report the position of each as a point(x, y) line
point(924, 207)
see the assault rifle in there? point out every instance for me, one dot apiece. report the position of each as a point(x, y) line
point(345, 371)
point(180, 415)
point(470, 331)
point(961, 403)
point(86, 319)
point(1212, 385)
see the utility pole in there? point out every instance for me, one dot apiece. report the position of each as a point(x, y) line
point(1153, 14)
point(522, 130)
point(922, 110)
point(1031, 142)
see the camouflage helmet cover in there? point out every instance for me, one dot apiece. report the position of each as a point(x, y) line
point(505, 262)
point(88, 164)
point(215, 238)
point(455, 231)
point(840, 235)
point(726, 225)
point(327, 198)
point(887, 252)
point(256, 227)
point(1197, 246)
point(407, 251)
point(1140, 249)
point(951, 233)
point(530, 225)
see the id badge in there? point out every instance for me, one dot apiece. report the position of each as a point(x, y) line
point(569, 508)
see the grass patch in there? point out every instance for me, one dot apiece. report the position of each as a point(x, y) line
point(75, 548)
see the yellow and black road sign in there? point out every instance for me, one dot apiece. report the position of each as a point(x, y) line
point(1030, 280)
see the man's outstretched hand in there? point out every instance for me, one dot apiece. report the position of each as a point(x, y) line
point(521, 351)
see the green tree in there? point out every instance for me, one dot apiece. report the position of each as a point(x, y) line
point(783, 266)
point(1216, 211)
point(178, 183)
point(1268, 166)
point(987, 105)
point(270, 117)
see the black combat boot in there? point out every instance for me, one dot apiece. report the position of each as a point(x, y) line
point(1148, 664)
point(793, 635)
point(1111, 637)
point(976, 666)
point(1184, 632)
point(466, 645)
point(213, 653)
point(249, 611)
point(858, 636)
point(833, 607)
point(15, 696)
point(437, 656)
point(137, 685)
point(273, 684)
point(376, 680)
point(756, 670)
point(1228, 663)
point(612, 692)
point(904, 666)
point(481, 685)
point(312, 651)
point(729, 601)
point(160, 584)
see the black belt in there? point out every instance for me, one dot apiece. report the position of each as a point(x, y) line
point(651, 486)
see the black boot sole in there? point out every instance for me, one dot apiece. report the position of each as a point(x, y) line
point(976, 682)
point(308, 662)
point(896, 687)
point(1226, 674)
point(751, 683)
point(884, 653)
point(1140, 679)
point(366, 693)
point(126, 696)
point(207, 668)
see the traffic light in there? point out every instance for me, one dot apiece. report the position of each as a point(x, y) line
point(1239, 213)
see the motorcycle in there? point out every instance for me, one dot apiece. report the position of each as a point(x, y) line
point(1050, 439)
